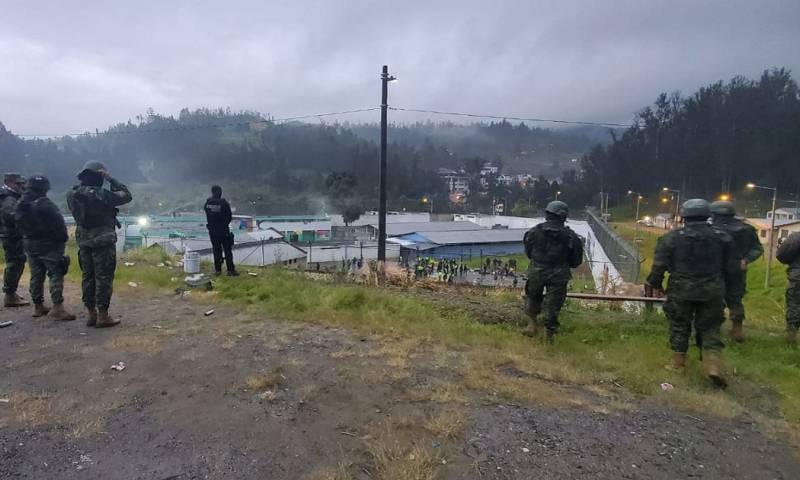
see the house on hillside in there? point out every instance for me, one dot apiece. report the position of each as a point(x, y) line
point(783, 228)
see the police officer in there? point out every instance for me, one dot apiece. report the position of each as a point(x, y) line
point(789, 254)
point(10, 192)
point(747, 249)
point(553, 249)
point(45, 236)
point(699, 258)
point(95, 211)
point(218, 218)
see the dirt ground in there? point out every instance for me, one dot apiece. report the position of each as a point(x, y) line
point(237, 394)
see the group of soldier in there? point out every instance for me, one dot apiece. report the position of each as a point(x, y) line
point(32, 229)
point(707, 265)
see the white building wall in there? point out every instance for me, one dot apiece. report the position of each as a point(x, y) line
point(323, 254)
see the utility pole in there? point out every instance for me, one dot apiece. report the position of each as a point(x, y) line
point(770, 252)
point(385, 79)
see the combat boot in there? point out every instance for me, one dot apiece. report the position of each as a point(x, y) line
point(532, 330)
point(713, 362)
point(791, 336)
point(12, 300)
point(59, 314)
point(104, 320)
point(39, 310)
point(91, 319)
point(678, 363)
point(550, 337)
point(737, 332)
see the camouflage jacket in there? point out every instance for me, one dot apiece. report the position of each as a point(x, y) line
point(95, 212)
point(8, 203)
point(745, 238)
point(700, 258)
point(789, 254)
point(553, 249)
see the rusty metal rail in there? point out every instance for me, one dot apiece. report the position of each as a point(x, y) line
point(615, 298)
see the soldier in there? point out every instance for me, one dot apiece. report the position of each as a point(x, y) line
point(10, 192)
point(218, 216)
point(747, 249)
point(698, 257)
point(553, 249)
point(95, 213)
point(45, 236)
point(789, 254)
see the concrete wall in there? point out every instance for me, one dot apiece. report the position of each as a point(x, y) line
point(270, 254)
point(328, 254)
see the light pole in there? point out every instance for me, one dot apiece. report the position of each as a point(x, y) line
point(429, 201)
point(557, 194)
point(636, 239)
point(677, 202)
point(385, 79)
point(771, 228)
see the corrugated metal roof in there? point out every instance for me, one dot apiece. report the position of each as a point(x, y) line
point(404, 228)
point(473, 236)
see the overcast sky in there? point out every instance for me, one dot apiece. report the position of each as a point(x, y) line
point(68, 66)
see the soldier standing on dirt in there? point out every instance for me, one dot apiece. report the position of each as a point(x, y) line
point(95, 211)
point(699, 258)
point(45, 237)
point(10, 193)
point(218, 218)
point(789, 254)
point(553, 249)
point(747, 249)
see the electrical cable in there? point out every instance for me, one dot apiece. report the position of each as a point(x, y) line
point(508, 117)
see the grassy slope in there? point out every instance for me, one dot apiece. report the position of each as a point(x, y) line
point(598, 348)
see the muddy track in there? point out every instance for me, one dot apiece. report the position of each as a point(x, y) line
point(238, 395)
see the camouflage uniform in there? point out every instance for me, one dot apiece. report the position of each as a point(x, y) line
point(698, 257)
point(789, 254)
point(11, 240)
point(553, 249)
point(747, 249)
point(94, 210)
point(45, 236)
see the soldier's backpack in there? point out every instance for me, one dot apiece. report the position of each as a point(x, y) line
point(551, 246)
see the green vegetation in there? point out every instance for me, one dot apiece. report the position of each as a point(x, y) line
point(598, 346)
point(646, 247)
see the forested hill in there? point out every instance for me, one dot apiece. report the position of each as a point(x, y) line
point(715, 141)
point(275, 162)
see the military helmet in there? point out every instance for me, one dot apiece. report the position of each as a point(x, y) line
point(557, 207)
point(722, 207)
point(695, 207)
point(38, 183)
point(93, 166)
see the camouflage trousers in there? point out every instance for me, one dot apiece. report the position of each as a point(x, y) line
point(793, 303)
point(705, 316)
point(15, 263)
point(547, 295)
point(98, 265)
point(50, 264)
point(735, 288)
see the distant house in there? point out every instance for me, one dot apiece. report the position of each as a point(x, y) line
point(489, 169)
point(785, 214)
point(506, 180)
point(783, 228)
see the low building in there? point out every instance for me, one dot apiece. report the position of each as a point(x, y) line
point(462, 245)
point(783, 228)
point(399, 229)
point(785, 214)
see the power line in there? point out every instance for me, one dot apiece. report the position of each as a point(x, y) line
point(198, 126)
point(506, 117)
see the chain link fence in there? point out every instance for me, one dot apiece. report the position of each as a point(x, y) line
point(620, 252)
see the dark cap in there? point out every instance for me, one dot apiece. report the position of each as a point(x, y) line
point(13, 177)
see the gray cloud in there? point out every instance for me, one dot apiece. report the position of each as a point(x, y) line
point(75, 66)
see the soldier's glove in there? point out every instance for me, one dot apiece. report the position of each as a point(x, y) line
point(648, 290)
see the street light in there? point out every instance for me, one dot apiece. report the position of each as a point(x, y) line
point(428, 201)
point(677, 200)
point(724, 197)
point(636, 238)
point(557, 194)
point(774, 190)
